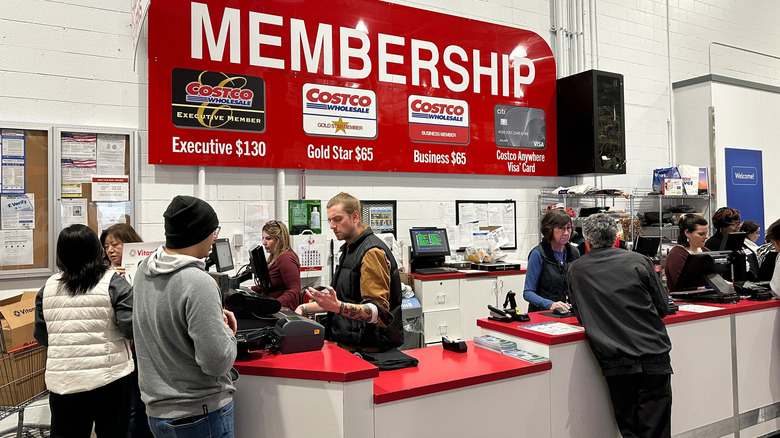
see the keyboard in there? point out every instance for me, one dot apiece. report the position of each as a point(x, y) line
point(689, 293)
point(430, 271)
point(748, 288)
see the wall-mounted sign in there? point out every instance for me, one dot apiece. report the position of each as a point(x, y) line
point(347, 85)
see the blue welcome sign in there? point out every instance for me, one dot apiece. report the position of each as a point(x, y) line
point(745, 184)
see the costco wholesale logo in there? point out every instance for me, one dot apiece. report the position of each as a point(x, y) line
point(197, 92)
point(436, 120)
point(339, 111)
point(217, 100)
point(744, 176)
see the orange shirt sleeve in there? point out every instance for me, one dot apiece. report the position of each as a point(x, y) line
point(375, 277)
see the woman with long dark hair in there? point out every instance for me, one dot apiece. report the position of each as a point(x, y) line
point(692, 238)
point(84, 315)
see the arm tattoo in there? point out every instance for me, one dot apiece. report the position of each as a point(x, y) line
point(360, 312)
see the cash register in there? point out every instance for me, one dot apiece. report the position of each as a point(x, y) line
point(701, 278)
point(262, 323)
point(741, 271)
point(430, 247)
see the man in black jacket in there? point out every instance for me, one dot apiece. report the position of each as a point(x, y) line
point(364, 299)
point(618, 298)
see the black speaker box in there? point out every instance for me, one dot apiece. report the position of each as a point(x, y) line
point(591, 124)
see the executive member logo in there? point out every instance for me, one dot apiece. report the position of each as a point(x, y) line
point(217, 100)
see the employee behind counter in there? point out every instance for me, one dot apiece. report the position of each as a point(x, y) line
point(364, 304)
point(284, 268)
point(693, 235)
point(545, 279)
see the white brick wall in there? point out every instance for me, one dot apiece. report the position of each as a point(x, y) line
point(69, 62)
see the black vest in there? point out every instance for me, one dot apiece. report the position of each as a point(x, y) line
point(346, 282)
point(552, 280)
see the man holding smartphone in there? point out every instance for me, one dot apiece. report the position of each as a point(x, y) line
point(364, 302)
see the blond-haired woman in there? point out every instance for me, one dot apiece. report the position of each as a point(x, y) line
point(283, 265)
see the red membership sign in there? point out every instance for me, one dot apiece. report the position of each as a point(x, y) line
point(347, 85)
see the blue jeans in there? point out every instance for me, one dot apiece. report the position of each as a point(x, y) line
point(217, 424)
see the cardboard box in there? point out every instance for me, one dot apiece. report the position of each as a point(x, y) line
point(17, 318)
point(22, 375)
point(673, 186)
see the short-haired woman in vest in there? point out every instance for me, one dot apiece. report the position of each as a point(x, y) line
point(84, 314)
point(545, 278)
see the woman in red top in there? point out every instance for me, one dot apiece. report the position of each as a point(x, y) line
point(693, 234)
point(283, 265)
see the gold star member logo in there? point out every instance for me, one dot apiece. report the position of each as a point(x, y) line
point(340, 125)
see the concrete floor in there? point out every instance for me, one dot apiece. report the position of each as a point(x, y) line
point(36, 413)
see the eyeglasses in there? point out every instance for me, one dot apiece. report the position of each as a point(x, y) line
point(216, 232)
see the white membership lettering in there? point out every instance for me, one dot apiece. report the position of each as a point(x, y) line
point(453, 158)
point(242, 148)
point(335, 152)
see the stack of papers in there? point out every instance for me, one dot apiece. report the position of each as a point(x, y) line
point(493, 343)
point(526, 356)
point(554, 328)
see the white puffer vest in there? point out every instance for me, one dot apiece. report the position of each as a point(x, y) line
point(86, 350)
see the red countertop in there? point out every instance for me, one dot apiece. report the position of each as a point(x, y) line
point(451, 275)
point(331, 363)
point(438, 369)
point(441, 370)
point(516, 328)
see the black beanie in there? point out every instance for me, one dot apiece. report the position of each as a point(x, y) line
point(188, 221)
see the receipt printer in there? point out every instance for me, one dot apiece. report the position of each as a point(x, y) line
point(293, 333)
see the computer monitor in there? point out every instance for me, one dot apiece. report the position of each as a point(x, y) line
point(221, 255)
point(647, 245)
point(733, 241)
point(429, 247)
point(429, 242)
point(259, 267)
point(706, 269)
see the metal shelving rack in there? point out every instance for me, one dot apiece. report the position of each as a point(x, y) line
point(641, 198)
point(547, 197)
point(634, 201)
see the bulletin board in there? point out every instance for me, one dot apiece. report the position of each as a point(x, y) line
point(485, 213)
point(94, 178)
point(40, 197)
point(25, 192)
point(381, 216)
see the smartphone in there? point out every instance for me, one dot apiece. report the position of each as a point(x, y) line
point(322, 289)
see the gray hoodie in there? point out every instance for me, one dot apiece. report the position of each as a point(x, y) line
point(184, 349)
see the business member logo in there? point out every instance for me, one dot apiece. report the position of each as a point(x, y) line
point(520, 127)
point(339, 111)
point(436, 120)
point(744, 176)
point(217, 100)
